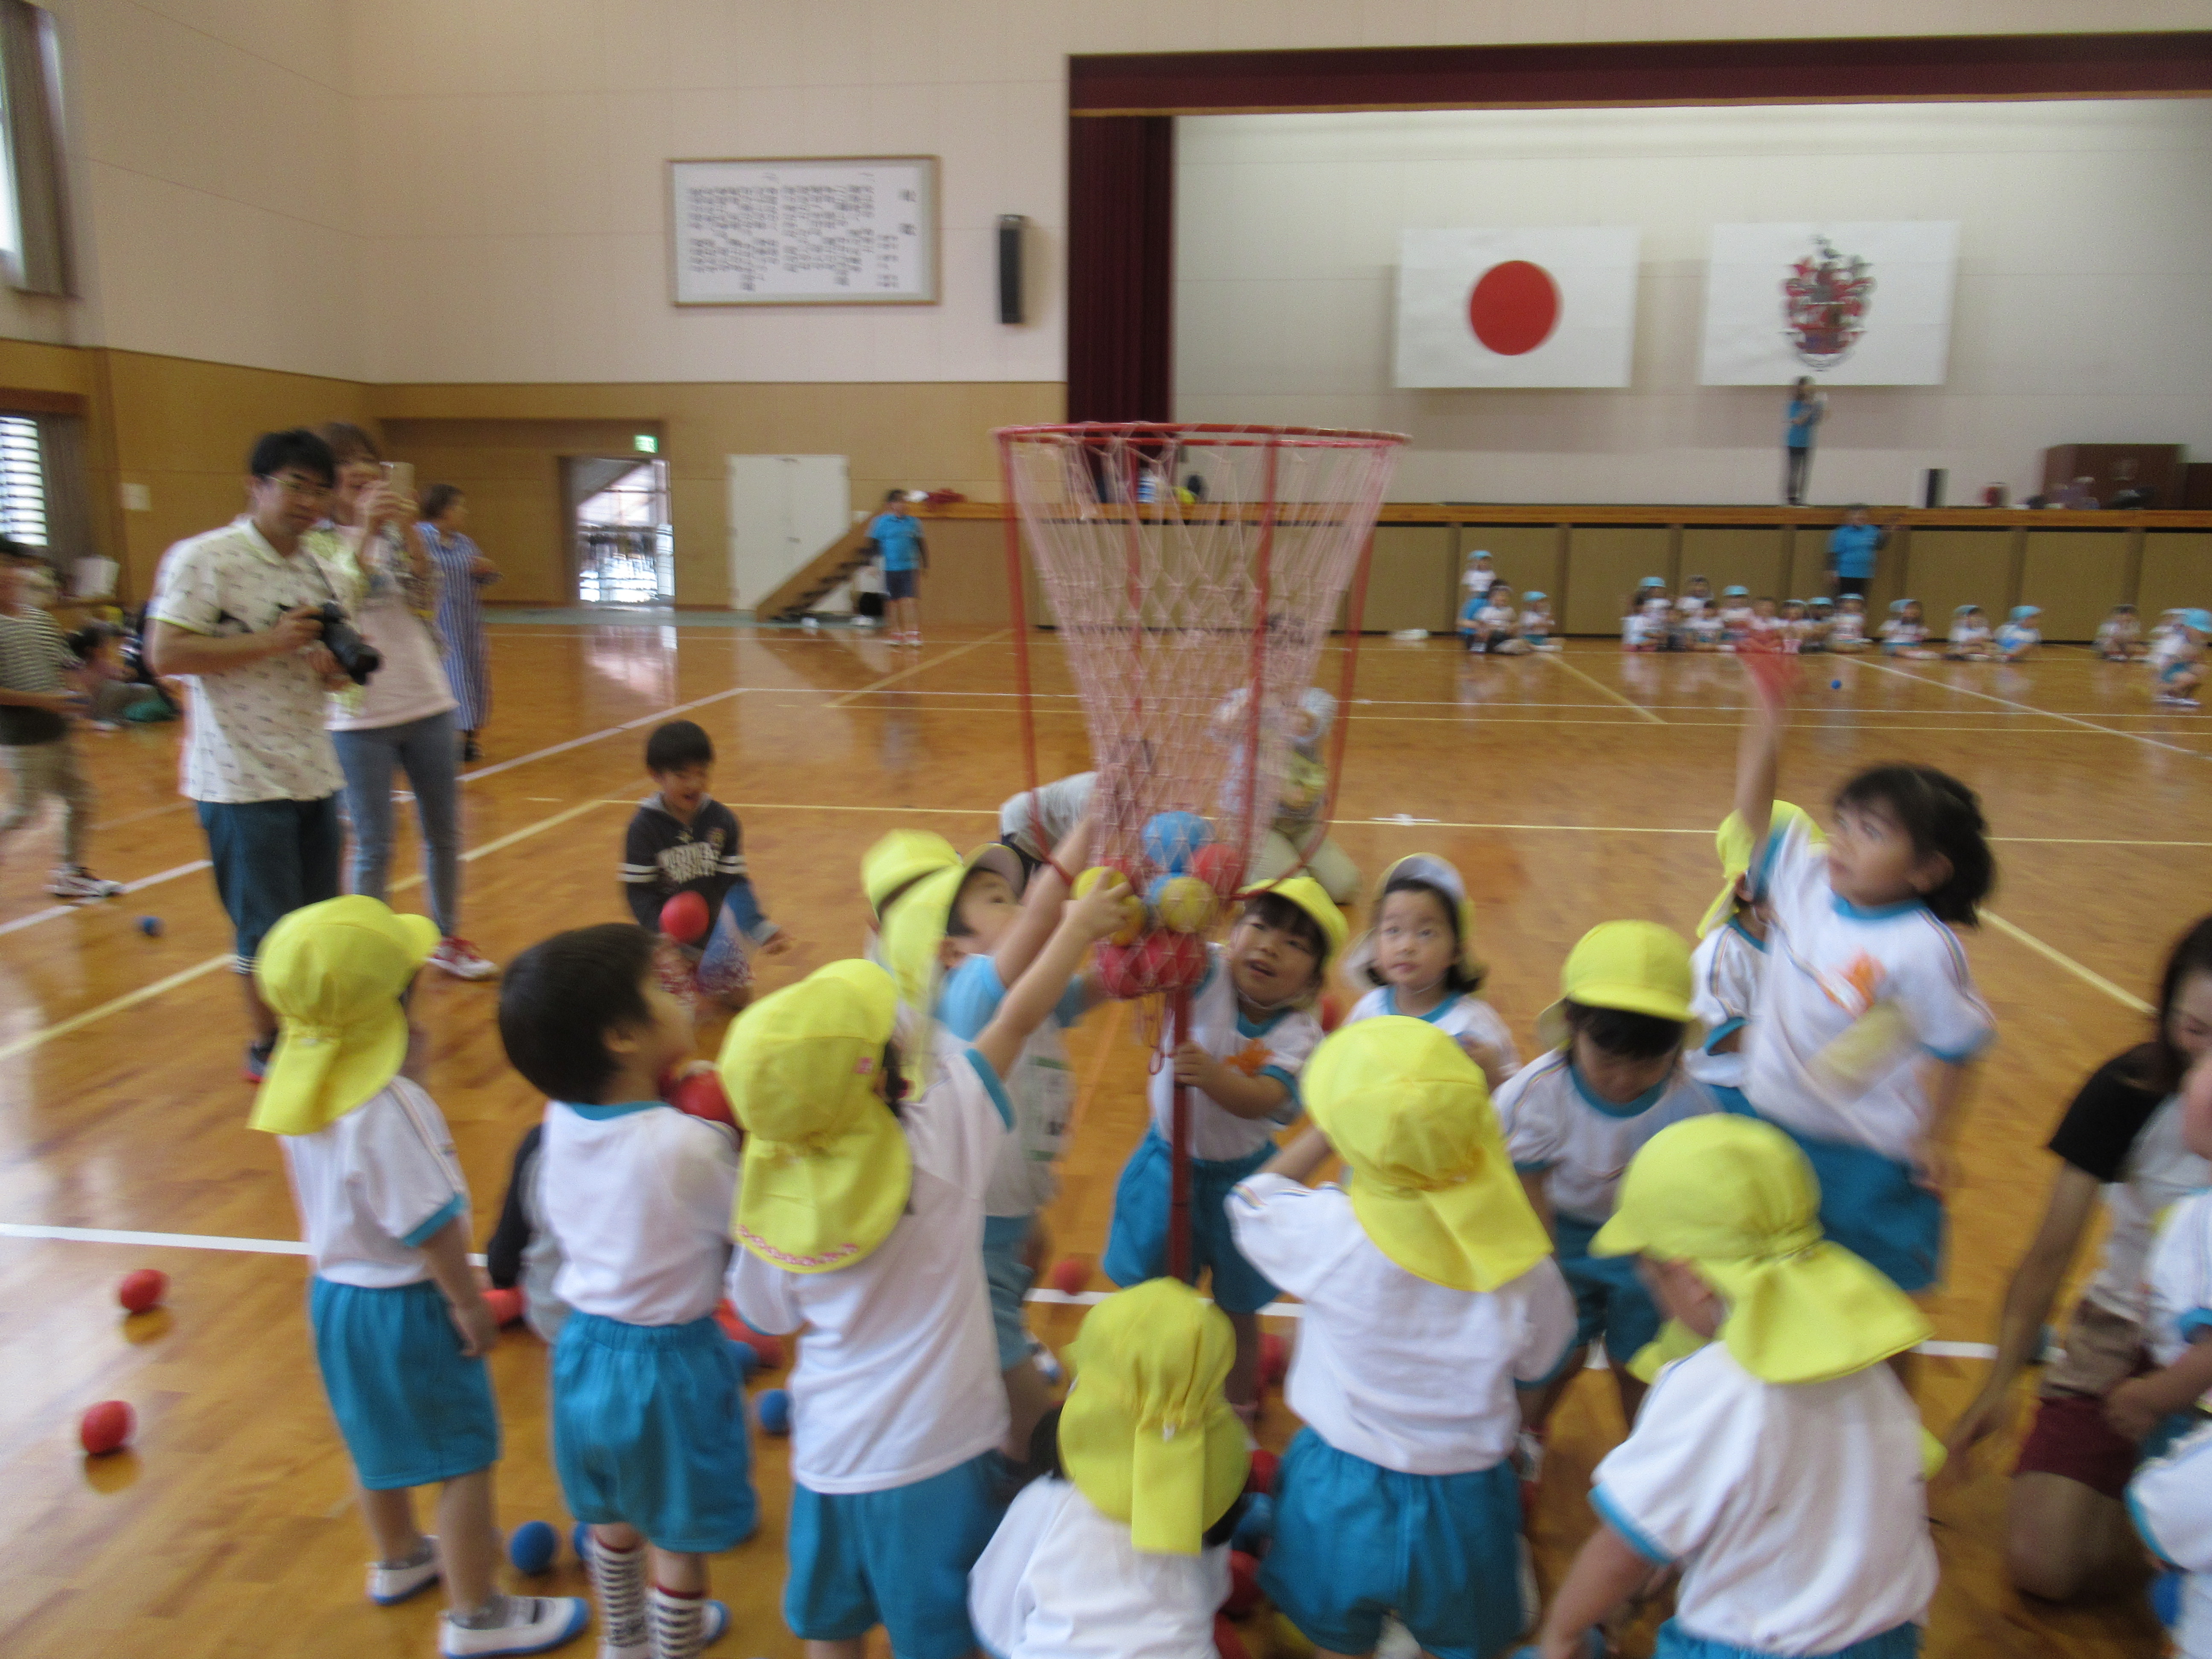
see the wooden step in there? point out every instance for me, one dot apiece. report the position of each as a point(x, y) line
point(817, 576)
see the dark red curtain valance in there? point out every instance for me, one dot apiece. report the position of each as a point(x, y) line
point(1120, 260)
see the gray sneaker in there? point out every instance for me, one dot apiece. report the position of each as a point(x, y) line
point(525, 1624)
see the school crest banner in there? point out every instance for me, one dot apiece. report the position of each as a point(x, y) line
point(1848, 303)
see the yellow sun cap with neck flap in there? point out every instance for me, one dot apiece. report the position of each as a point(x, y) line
point(1635, 967)
point(827, 1171)
point(333, 973)
point(1310, 896)
point(1433, 1186)
point(1735, 845)
point(1147, 1434)
point(1735, 1199)
point(900, 859)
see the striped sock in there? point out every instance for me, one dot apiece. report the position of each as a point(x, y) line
point(618, 1579)
point(679, 1624)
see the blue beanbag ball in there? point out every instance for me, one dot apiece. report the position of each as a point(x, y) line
point(532, 1547)
point(1257, 1529)
point(748, 1357)
point(775, 1410)
point(1172, 838)
point(579, 1539)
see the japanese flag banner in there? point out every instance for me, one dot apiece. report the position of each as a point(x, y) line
point(1849, 303)
point(1517, 307)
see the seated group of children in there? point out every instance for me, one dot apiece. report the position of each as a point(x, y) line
point(1723, 1168)
point(1489, 620)
point(1697, 621)
point(1971, 639)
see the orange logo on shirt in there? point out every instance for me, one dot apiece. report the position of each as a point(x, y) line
point(1857, 988)
point(1251, 1059)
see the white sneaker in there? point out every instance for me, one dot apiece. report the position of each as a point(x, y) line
point(529, 1623)
point(73, 881)
point(389, 1586)
point(682, 1625)
point(462, 960)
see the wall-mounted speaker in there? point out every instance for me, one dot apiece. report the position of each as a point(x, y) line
point(1931, 486)
point(1010, 226)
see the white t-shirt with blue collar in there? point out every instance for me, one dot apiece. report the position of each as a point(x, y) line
point(638, 1196)
point(375, 1186)
point(1277, 1047)
point(1853, 1000)
point(1043, 1086)
point(2170, 1500)
point(1726, 967)
point(1463, 1017)
point(1555, 1123)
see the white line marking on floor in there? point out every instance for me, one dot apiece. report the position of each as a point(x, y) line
point(1601, 687)
point(916, 668)
point(2088, 975)
point(2029, 707)
point(653, 718)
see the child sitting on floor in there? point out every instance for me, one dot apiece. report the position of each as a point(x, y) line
point(1848, 631)
point(1902, 634)
point(2120, 636)
point(2019, 636)
point(1536, 623)
point(1736, 615)
point(1970, 640)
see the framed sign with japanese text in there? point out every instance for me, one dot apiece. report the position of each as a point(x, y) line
point(804, 231)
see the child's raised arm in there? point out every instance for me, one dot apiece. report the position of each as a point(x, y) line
point(1040, 906)
point(1032, 997)
point(1758, 752)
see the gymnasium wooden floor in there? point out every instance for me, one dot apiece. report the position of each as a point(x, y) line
point(1569, 789)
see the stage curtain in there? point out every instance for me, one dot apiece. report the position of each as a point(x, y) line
point(1121, 254)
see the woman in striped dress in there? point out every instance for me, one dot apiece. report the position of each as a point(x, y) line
point(462, 569)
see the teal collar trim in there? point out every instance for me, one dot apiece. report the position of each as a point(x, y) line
point(1434, 1015)
point(1736, 926)
point(1876, 912)
point(1636, 1108)
point(601, 1114)
point(1250, 1028)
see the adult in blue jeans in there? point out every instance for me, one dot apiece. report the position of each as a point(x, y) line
point(905, 556)
point(402, 720)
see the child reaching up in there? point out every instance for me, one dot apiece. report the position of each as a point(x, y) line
point(1123, 1546)
point(1728, 963)
point(1249, 1034)
point(648, 1404)
point(1573, 1120)
point(1420, 959)
point(1430, 1300)
point(1779, 1467)
point(400, 1328)
point(1867, 1021)
point(859, 1213)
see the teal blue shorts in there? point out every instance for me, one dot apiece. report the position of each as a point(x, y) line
point(1610, 1300)
point(1355, 1541)
point(414, 1409)
point(649, 1432)
point(1675, 1643)
point(1872, 1206)
point(898, 1559)
point(1009, 1278)
point(1137, 1239)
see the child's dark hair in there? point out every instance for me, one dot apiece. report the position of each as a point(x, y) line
point(559, 999)
point(295, 447)
point(2157, 1067)
point(437, 498)
point(1620, 1031)
point(86, 641)
point(1457, 980)
point(1045, 1464)
point(677, 744)
point(349, 443)
point(1944, 818)
point(1271, 910)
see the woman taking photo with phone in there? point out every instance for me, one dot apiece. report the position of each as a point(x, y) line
point(403, 717)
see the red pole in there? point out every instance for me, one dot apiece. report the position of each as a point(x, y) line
point(1257, 691)
point(1179, 1261)
point(1019, 611)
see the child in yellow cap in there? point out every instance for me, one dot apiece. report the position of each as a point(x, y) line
point(1573, 1119)
point(1251, 1030)
point(400, 1326)
point(1729, 961)
point(648, 1418)
point(1868, 1022)
point(1430, 1298)
point(1420, 961)
point(1123, 1546)
point(858, 1216)
point(1780, 1466)
point(971, 936)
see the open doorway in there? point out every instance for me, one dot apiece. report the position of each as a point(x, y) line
point(623, 548)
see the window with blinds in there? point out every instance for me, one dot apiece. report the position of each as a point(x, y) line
point(22, 482)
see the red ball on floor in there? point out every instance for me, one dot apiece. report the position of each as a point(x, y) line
point(1070, 1275)
point(142, 1290)
point(506, 1305)
point(106, 1427)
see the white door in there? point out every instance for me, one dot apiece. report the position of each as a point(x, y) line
point(784, 509)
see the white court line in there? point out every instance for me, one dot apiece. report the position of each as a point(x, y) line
point(54, 910)
point(908, 672)
point(1599, 686)
point(292, 1247)
point(2029, 707)
point(2088, 975)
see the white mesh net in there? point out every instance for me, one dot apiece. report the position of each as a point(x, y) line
point(1194, 572)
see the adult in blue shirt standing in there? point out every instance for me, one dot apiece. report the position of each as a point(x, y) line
point(1808, 404)
point(1853, 547)
point(898, 539)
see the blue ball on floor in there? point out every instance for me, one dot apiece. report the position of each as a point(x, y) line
point(1256, 1530)
point(749, 1359)
point(1835, 686)
point(150, 925)
point(774, 1409)
point(532, 1547)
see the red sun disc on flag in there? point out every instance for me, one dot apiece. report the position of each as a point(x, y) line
point(1514, 308)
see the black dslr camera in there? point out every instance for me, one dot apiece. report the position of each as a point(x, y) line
point(343, 641)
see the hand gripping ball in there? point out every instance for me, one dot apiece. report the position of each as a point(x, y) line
point(1133, 908)
point(1173, 839)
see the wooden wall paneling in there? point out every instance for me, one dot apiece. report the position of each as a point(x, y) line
point(2177, 570)
point(2077, 576)
point(1724, 555)
point(1411, 581)
point(1950, 568)
point(1607, 562)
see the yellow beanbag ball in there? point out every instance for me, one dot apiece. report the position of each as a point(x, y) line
point(1186, 904)
point(1133, 908)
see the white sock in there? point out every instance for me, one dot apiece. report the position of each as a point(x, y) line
point(619, 1580)
point(679, 1624)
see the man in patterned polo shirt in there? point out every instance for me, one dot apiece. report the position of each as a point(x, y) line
point(236, 615)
